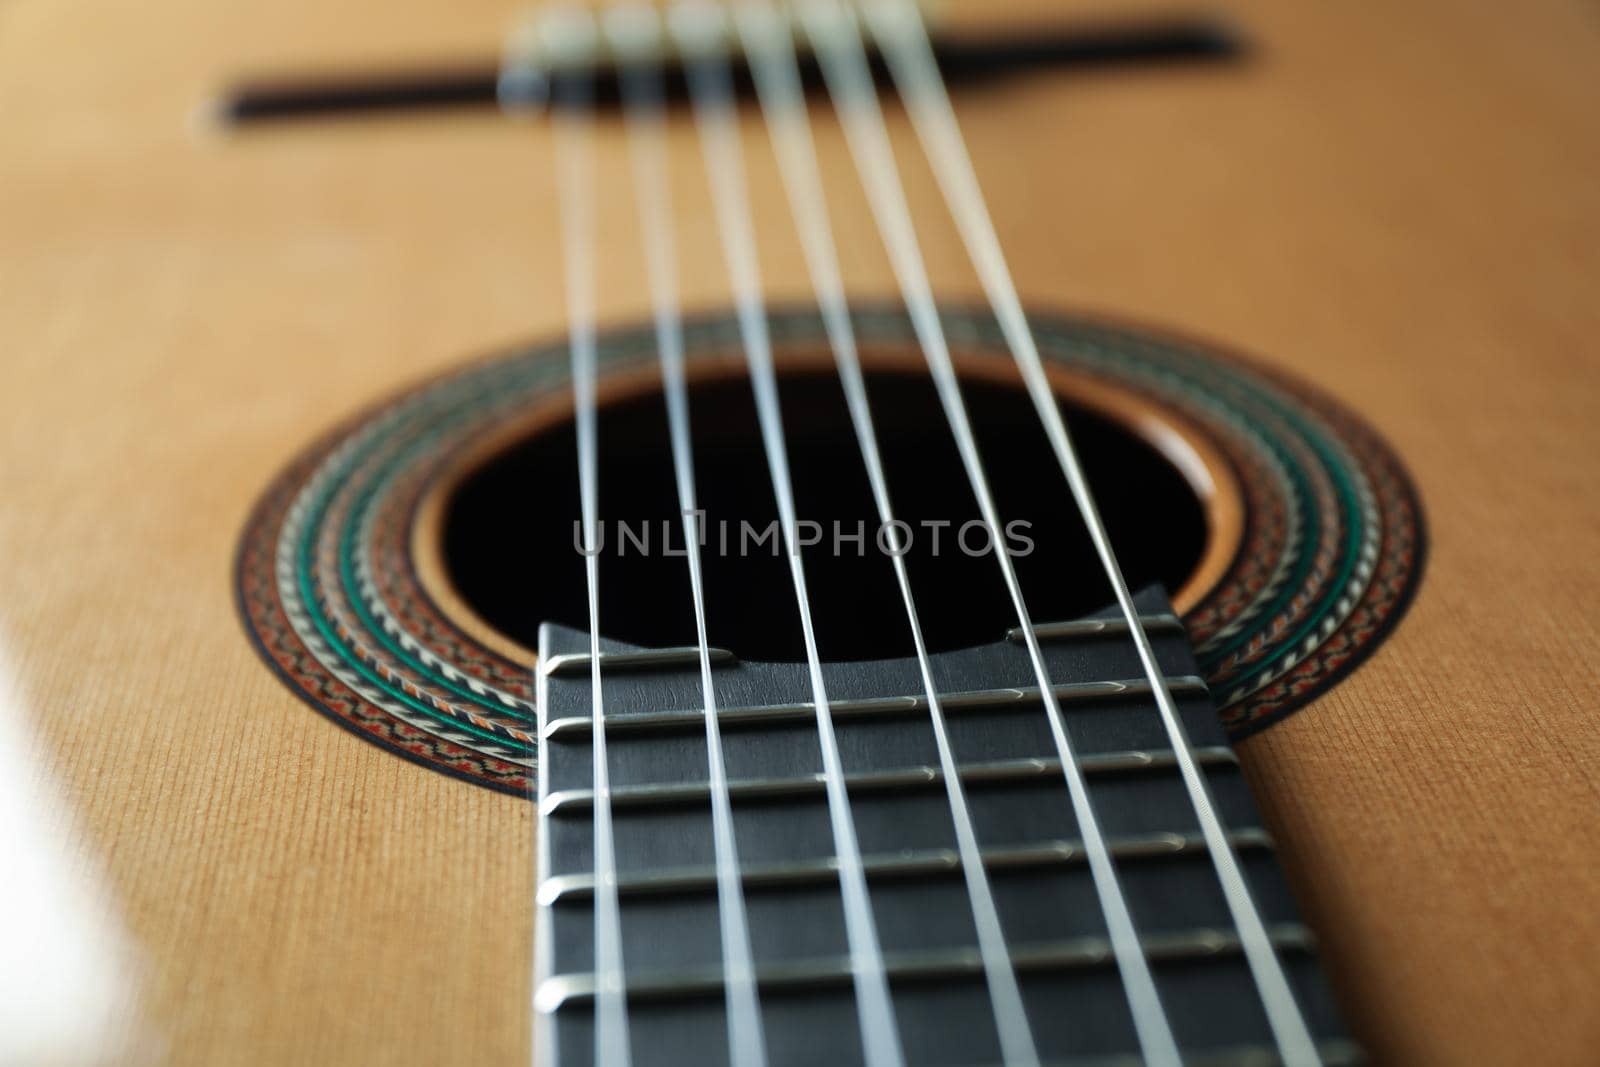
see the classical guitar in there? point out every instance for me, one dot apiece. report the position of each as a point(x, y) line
point(874, 622)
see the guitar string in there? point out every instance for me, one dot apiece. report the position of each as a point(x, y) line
point(635, 32)
point(543, 1047)
point(769, 47)
point(905, 64)
point(898, 28)
point(573, 119)
point(697, 28)
point(835, 38)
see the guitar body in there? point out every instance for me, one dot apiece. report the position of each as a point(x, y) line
point(1399, 206)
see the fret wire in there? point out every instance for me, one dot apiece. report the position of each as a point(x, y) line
point(1081, 628)
point(574, 132)
point(1012, 770)
point(711, 94)
point(897, 25)
point(928, 964)
point(836, 40)
point(889, 865)
point(769, 44)
point(978, 700)
point(648, 659)
point(653, 658)
point(636, 30)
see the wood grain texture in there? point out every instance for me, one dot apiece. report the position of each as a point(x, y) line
point(1398, 202)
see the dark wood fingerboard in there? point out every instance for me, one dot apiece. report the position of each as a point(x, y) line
point(1029, 840)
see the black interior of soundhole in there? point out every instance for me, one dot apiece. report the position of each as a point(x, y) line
point(510, 542)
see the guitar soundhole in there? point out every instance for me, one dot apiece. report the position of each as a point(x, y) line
point(509, 540)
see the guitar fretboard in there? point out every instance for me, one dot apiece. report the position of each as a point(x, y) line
point(1031, 849)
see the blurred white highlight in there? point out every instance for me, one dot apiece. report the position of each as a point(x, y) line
point(66, 968)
